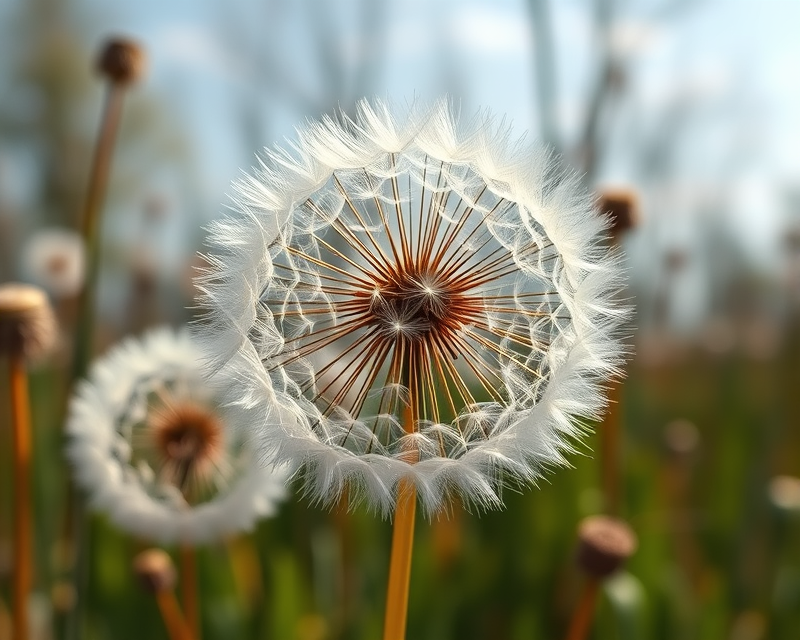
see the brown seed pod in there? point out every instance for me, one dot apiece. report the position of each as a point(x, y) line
point(604, 545)
point(784, 493)
point(622, 207)
point(27, 323)
point(154, 570)
point(122, 60)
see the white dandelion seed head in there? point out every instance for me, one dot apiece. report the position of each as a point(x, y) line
point(127, 454)
point(55, 260)
point(425, 254)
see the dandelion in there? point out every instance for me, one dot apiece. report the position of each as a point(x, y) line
point(418, 306)
point(417, 267)
point(151, 445)
point(55, 260)
point(156, 451)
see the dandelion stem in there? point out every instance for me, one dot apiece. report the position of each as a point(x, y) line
point(400, 563)
point(90, 225)
point(84, 326)
point(23, 530)
point(610, 451)
point(582, 616)
point(189, 597)
point(403, 533)
point(176, 625)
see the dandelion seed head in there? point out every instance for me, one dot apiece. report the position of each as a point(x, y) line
point(27, 323)
point(55, 260)
point(429, 254)
point(156, 449)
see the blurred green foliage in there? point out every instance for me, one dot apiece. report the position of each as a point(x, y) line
point(716, 558)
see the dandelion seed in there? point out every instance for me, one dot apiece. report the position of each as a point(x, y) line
point(427, 254)
point(154, 449)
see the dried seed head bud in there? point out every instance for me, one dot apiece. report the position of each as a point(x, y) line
point(605, 543)
point(62, 596)
point(154, 570)
point(784, 493)
point(681, 438)
point(121, 60)
point(27, 324)
point(622, 207)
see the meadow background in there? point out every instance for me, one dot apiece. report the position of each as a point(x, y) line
point(691, 104)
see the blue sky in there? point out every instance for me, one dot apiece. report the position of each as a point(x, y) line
point(736, 63)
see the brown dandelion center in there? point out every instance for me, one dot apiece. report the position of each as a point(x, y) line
point(409, 305)
point(188, 438)
point(414, 304)
point(57, 264)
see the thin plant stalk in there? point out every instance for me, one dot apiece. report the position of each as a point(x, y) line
point(189, 596)
point(84, 326)
point(582, 617)
point(400, 563)
point(610, 442)
point(174, 621)
point(90, 226)
point(23, 521)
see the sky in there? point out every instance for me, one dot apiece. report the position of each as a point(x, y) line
point(735, 63)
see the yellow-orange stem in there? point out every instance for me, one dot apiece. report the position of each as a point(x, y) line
point(400, 563)
point(23, 529)
point(176, 625)
point(188, 582)
point(582, 616)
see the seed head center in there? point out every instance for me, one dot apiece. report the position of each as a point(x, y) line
point(412, 304)
point(187, 435)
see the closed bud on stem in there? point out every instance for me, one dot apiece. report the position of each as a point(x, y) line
point(784, 494)
point(604, 545)
point(681, 439)
point(155, 571)
point(622, 207)
point(27, 323)
point(121, 60)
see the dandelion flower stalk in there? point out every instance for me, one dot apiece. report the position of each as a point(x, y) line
point(397, 591)
point(400, 564)
point(23, 530)
point(582, 617)
point(189, 589)
point(121, 61)
point(27, 329)
point(622, 209)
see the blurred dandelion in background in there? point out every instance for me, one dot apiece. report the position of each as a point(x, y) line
point(55, 259)
point(156, 452)
point(427, 265)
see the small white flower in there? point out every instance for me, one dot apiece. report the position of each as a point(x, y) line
point(54, 259)
point(415, 299)
point(155, 450)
